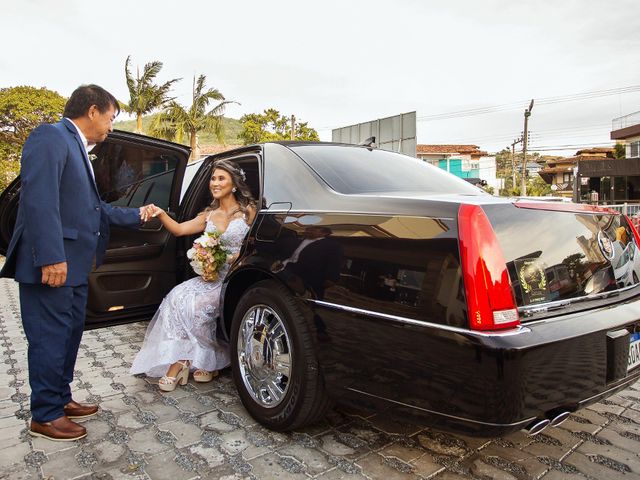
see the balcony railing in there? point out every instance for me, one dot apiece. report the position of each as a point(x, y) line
point(626, 121)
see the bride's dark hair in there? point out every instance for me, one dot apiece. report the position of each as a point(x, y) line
point(238, 177)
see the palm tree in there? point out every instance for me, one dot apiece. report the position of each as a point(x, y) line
point(144, 95)
point(176, 122)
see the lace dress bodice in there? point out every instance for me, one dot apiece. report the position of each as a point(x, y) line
point(233, 236)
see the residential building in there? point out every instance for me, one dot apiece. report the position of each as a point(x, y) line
point(464, 161)
point(614, 180)
point(626, 130)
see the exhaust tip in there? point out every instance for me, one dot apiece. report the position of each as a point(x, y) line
point(537, 426)
point(559, 418)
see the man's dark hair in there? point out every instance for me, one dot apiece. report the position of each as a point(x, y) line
point(86, 95)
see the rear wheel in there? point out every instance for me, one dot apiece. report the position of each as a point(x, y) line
point(273, 359)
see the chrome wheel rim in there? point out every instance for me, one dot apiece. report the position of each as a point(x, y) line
point(264, 355)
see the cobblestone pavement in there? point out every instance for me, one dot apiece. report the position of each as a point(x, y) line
point(202, 431)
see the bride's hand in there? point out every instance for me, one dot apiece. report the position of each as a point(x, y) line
point(156, 211)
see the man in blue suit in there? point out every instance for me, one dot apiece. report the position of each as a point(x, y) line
point(62, 228)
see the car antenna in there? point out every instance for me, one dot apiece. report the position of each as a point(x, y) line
point(369, 143)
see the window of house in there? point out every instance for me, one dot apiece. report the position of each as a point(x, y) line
point(567, 177)
point(634, 149)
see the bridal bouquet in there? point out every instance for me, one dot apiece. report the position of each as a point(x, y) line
point(208, 255)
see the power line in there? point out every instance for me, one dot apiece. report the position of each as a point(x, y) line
point(517, 105)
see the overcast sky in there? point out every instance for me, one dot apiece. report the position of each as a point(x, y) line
point(336, 63)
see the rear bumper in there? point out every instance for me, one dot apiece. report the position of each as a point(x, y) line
point(481, 384)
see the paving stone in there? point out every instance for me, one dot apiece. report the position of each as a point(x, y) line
point(555, 475)
point(97, 429)
point(212, 420)
point(624, 457)
point(191, 404)
point(513, 461)
point(606, 408)
point(592, 469)
point(109, 453)
point(240, 412)
point(186, 434)
point(20, 472)
point(6, 392)
point(146, 398)
point(402, 452)
point(572, 426)
point(273, 466)
point(211, 455)
point(632, 414)
point(377, 466)
point(618, 399)
point(234, 442)
point(129, 420)
point(64, 464)
point(484, 470)
point(337, 474)
point(629, 442)
point(164, 413)
point(445, 475)
point(589, 414)
point(333, 447)
point(425, 466)
point(165, 466)
point(365, 432)
point(13, 454)
point(145, 441)
point(314, 460)
point(553, 443)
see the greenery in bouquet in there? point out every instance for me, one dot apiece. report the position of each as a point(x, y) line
point(208, 255)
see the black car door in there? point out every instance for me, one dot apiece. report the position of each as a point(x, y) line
point(139, 267)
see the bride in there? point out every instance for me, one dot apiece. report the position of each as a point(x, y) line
point(182, 334)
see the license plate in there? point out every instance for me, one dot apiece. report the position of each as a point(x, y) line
point(634, 351)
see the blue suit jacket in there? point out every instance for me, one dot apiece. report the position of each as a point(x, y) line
point(60, 216)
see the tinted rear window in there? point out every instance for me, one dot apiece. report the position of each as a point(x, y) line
point(354, 170)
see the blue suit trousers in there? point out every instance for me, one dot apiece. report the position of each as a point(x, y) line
point(53, 321)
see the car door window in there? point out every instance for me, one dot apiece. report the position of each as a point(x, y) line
point(130, 175)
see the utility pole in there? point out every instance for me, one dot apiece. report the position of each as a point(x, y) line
point(513, 161)
point(525, 136)
point(293, 126)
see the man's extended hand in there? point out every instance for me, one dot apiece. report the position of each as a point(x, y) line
point(147, 211)
point(54, 275)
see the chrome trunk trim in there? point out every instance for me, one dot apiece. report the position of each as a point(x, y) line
point(420, 323)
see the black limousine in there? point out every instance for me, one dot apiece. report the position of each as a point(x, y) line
point(372, 278)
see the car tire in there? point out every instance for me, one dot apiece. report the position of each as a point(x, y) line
point(274, 364)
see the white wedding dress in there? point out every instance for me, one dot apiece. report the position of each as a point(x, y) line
point(184, 327)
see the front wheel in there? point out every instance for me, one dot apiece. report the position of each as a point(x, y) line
point(274, 365)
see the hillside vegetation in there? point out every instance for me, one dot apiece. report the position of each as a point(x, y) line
point(232, 129)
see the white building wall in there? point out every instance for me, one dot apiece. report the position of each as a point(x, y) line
point(488, 173)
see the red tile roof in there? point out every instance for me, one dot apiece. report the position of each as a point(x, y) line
point(462, 149)
point(213, 149)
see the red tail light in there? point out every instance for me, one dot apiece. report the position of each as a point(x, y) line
point(634, 230)
point(490, 301)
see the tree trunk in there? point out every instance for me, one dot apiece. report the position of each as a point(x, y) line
point(138, 123)
point(193, 142)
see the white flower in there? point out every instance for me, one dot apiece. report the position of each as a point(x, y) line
point(190, 253)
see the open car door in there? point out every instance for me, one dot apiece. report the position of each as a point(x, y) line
point(139, 266)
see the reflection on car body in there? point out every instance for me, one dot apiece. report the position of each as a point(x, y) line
point(374, 279)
